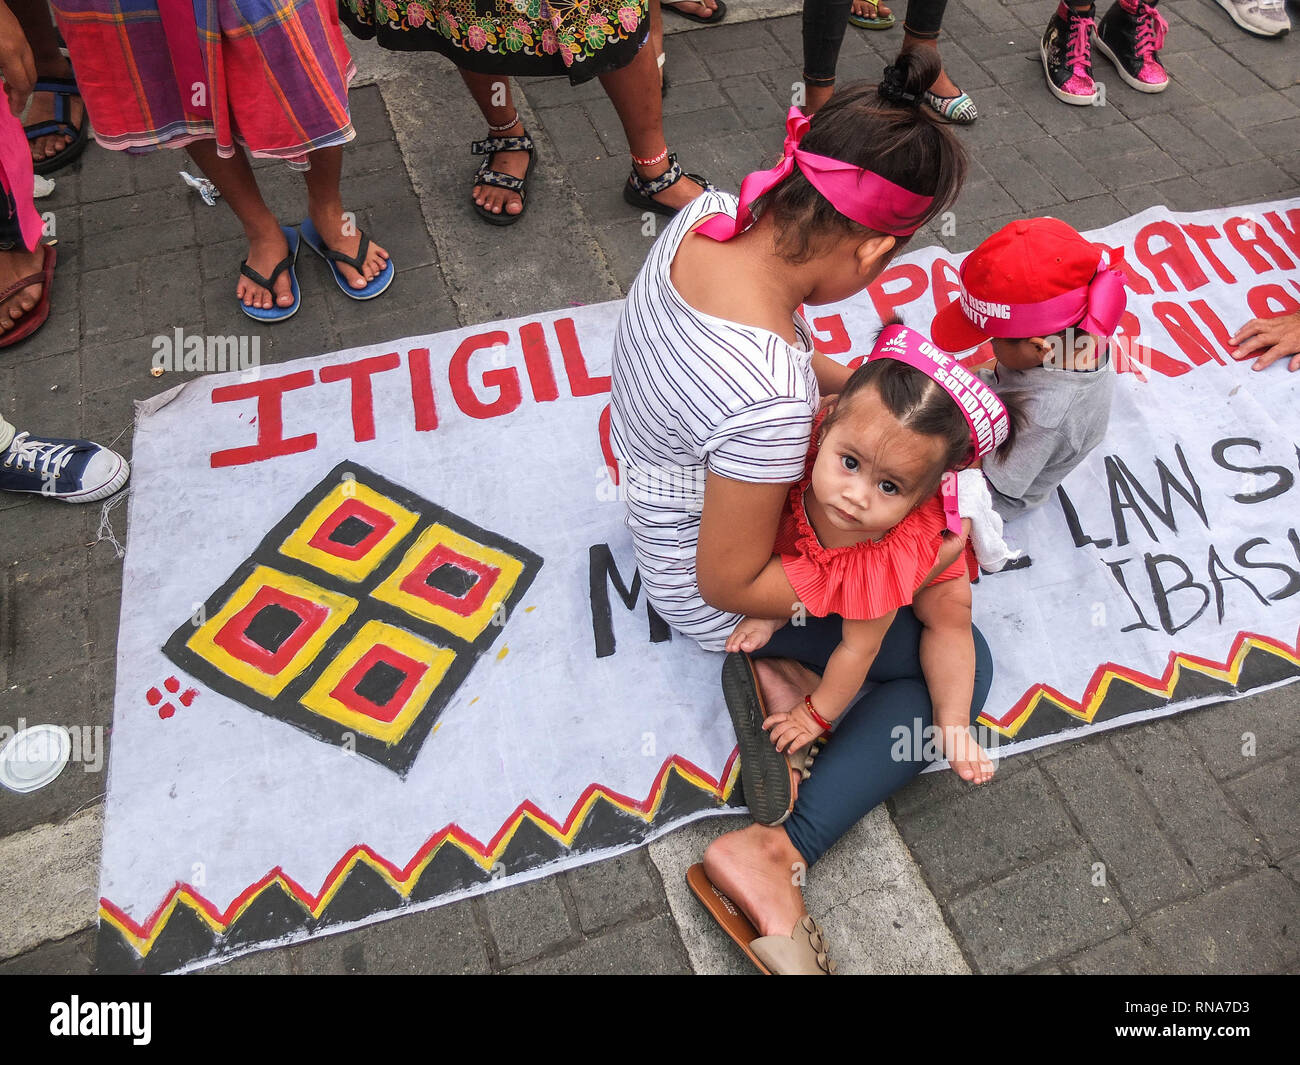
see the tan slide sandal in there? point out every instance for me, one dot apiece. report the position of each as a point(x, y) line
point(802, 953)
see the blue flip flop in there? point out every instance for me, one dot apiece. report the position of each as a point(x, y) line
point(274, 313)
point(332, 258)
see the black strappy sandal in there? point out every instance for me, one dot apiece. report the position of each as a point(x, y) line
point(639, 191)
point(487, 176)
point(61, 124)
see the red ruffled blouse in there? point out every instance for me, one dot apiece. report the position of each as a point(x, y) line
point(865, 580)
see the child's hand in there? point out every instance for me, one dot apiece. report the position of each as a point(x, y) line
point(967, 758)
point(792, 730)
point(752, 633)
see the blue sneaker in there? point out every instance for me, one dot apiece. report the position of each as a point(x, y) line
point(75, 471)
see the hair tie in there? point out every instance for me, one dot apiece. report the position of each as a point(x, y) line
point(892, 87)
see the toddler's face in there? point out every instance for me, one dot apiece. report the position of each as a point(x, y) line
point(871, 471)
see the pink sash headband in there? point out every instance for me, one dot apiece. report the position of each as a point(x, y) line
point(987, 417)
point(1094, 308)
point(863, 196)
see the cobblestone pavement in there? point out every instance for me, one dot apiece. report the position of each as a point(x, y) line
point(1199, 842)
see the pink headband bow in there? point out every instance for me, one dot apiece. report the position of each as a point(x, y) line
point(1093, 308)
point(987, 417)
point(863, 196)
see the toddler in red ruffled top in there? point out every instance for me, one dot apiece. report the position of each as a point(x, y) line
point(874, 526)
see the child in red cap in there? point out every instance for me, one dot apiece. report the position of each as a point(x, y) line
point(1048, 300)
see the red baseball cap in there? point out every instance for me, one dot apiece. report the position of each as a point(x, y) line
point(1033, 277)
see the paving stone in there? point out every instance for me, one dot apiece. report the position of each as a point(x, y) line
point(611, 891)
point(1116, 818)
point(1061, 168)
point(1195, 813)
point(1209, 126)
point(1178, 194)
point(651, 948)
point(1270, 795)
point(1039, 912)
point(1126, 954)
point(1247, 182)
point(1245, 927)
point(71, 956)
point(1266, 723)
point(572, 133)
point(986, 832)
point(1168, 131)
point(63, 699)
point(1030, 189)
point(101, 175)
point(444, 940)
point(526, 920)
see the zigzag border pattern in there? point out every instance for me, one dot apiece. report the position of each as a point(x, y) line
point(402, 879)
point(1094, 695)
point(142, 936)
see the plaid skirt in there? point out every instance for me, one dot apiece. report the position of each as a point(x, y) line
point(580, 39)
point(271, 75)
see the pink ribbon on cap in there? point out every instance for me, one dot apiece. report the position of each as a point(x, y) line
point(859, 194)
point(1093, 308)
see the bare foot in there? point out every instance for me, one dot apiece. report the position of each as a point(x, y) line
point(784, 683)
point(752, 633)
point(338, 229)
point(866, 9)
point(699, 8)
point(760, 870)
point(14, 266)
point(968, 759)
point(515, 164)
point(264, 254)
point(41, 109)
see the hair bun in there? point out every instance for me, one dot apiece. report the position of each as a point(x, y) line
point(893, 88)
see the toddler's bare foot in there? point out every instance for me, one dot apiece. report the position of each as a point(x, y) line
point(752, 633)
point(968, 759)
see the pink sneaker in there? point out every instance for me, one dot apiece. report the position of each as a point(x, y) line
point(1131, 35)
point(1066, 50)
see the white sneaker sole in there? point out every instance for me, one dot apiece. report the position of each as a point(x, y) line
point(108, 488)
point(1252, 30)
point(1125, 76)
point(1060, 94)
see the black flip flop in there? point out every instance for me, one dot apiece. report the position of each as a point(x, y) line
point(487, 176)
point(720, 12)
point(61, 124)
point(764, 771)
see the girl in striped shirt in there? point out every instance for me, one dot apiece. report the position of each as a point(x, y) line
point(715, 384)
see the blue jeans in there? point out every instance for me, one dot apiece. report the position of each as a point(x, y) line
point(857, 769)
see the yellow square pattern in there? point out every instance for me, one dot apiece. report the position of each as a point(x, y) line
point(319, 699)
point(468, 627)
point(202, 642)
point(298, 544)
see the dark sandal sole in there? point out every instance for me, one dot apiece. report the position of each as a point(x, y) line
point(764, 771)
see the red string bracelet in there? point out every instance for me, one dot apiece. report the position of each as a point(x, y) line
point(825, 725)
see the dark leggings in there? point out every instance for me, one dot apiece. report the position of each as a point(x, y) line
point(865, 761)
point(824, 23)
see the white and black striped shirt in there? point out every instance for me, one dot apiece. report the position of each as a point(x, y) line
point(693, 393)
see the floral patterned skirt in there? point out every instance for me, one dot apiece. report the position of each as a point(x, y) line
point(517, 38)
